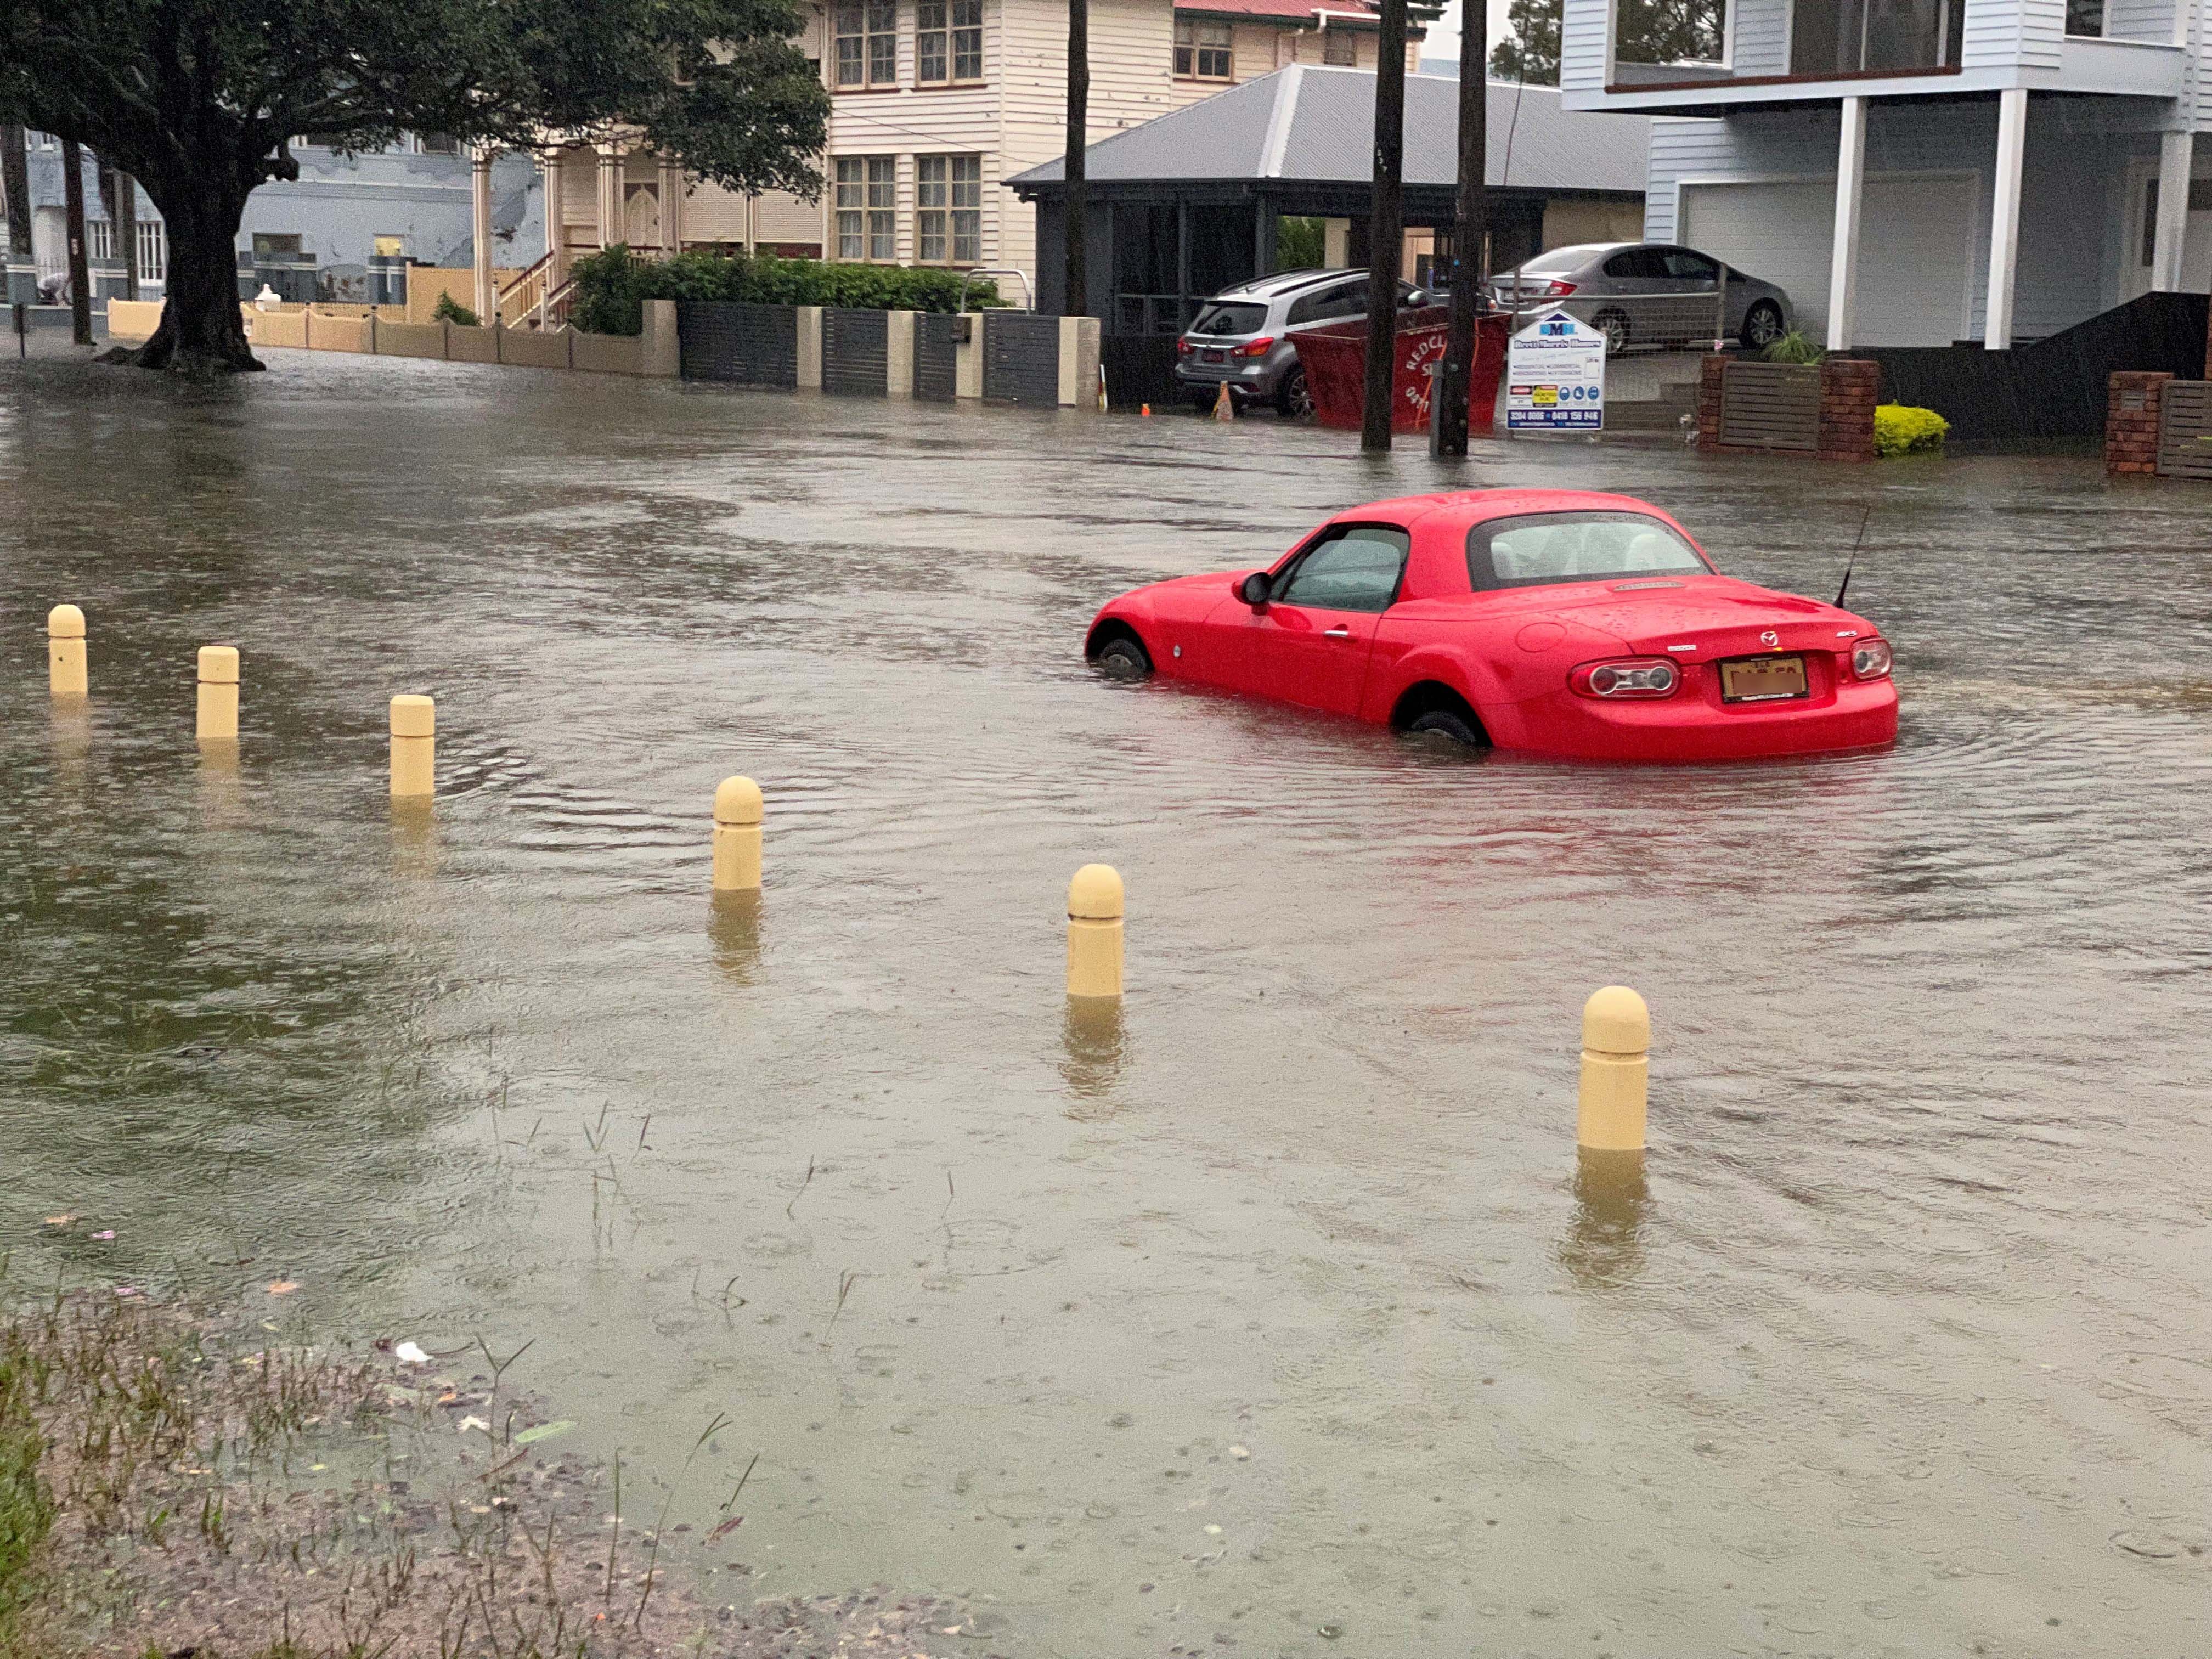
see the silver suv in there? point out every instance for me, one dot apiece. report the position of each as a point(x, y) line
point(1240, 337)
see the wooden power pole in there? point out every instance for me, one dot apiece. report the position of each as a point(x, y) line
point(1470, 231)
point(80, 278)
point(1386, 226)
point(1076, 302)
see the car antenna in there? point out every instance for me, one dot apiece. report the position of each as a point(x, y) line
point(1851, 561)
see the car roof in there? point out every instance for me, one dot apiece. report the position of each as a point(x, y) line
point(1472, 506)
point(1285, 281)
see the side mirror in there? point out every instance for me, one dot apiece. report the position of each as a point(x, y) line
point(1254, 588)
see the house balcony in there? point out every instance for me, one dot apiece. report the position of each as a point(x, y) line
point(1708, 57)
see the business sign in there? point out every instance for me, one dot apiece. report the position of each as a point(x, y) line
point(1555, 377)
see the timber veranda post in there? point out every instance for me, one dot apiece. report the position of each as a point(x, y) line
point(1470, 233)
point(1386, 227)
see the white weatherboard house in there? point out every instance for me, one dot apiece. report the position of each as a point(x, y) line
point(1919, 172)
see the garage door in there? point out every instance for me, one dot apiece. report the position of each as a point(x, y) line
point(1916, 249)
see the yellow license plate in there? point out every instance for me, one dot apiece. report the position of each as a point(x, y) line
point(1763, 679)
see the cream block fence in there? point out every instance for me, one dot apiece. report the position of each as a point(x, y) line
point(318, 328)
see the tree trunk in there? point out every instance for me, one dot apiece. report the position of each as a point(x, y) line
point(21, 285)
point(201, 333)
point(1386, 226)
point(80, 276)
point(1470, 230)
point(1077, 301)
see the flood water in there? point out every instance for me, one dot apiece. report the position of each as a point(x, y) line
point(1276, 1319)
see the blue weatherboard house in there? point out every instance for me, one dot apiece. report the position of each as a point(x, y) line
point(344, 230)
point(1919, 172)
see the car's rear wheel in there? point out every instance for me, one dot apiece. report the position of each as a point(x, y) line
point(1762, 326)
point(1444, 724)
point(1123, 657)
point(1614, 326)
point(1295, 401)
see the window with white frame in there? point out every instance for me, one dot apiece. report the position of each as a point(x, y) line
point(1202, 49)
point(153, 251)
point(867, 43)
point(1340, 47)
point(949, 210)
point(100, 240)
point(867, 208)
point(948, 41)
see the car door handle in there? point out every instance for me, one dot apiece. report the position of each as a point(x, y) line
point(1336, 633)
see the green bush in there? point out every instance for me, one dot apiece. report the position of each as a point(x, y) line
point(1793, 347)
point(451, 310)
point(613, 286)
point(1901, 429)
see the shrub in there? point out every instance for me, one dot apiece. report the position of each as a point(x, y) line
point(613, 286)
point(1901, 429)
point(1793, 347)
point(451, 310)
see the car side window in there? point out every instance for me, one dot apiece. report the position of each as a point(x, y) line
point(1316, 307)
point(1356, 569)
point(1685, 266)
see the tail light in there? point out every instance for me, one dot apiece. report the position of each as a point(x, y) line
point(1258, 348)
point(1184, 348)
point(1627, 677)
point(1556, 289)
point(1871, 659)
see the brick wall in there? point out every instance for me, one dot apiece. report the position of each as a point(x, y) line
point(1850, 388)
point(1710, 366)
point(2131, 409)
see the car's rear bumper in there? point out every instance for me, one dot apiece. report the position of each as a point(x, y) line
point(1259, 380)
point(1862, 714)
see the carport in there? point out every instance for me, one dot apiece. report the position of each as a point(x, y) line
point(1190, 204)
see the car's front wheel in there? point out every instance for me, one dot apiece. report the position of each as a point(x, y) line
point(1295, 401)
point(1762, 326)
point(1123, 657)
point(1444, 724)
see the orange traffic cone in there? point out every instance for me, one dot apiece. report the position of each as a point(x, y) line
point(1144, 410)
point(1224, 409)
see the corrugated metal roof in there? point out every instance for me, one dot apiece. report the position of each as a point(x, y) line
point(1322, 123)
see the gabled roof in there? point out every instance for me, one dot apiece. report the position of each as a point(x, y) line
point(1308, 124)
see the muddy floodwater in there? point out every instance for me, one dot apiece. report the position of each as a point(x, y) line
point(1275, 1318)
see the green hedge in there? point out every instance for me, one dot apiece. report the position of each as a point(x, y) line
point(1901, 429)
point(612, 287)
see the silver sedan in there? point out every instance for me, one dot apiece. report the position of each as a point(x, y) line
point(1649, 293)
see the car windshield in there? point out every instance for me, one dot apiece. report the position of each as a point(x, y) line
point(1224, 317)
point(1576, 546)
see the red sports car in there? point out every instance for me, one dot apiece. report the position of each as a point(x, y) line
point(1560, 621)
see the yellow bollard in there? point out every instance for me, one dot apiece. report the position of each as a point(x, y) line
point(1094, 932)
point(65, 675)
point(218, 714)
point(1616, 1071)
point(738, 814)
point(414, 747)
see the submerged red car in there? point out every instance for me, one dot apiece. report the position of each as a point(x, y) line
point(1557, 622)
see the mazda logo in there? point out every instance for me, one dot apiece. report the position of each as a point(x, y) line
point(1770, 637)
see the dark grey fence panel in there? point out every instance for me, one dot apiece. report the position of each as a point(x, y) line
point(732, 340)
point(855, 351)
point(937, 356)
point(1021, 359)
point(2185, 429)
point(1771, 406)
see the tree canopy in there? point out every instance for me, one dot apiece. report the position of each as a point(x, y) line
point(200, 100)
point(1645, 32)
